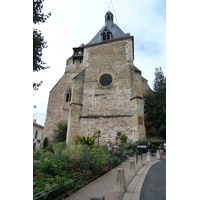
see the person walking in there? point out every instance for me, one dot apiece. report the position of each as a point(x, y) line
point(161, 148)
point(149, 146)
point(164, 145)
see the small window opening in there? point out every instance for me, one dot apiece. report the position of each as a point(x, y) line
point(106, 35)
point(36, 132)
point(68, 96)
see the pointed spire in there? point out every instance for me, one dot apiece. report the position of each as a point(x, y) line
point(109, 19)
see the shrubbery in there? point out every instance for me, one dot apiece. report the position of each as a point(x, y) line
point(65, 161)
point(45, 142)
point(60, 133)
point(69, 161)
point(155, 142)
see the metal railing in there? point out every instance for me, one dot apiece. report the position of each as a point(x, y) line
point(69, 187)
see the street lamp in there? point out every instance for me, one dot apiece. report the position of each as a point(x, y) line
point(98, 133)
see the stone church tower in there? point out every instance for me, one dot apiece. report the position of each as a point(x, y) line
point(100, 89)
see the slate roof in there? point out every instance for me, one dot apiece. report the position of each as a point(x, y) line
point(111, 26)
point(38, 125)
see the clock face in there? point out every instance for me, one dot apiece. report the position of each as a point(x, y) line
point(106, 80)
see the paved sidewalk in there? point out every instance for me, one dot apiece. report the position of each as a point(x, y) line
point(134, 189)
point(106, 184)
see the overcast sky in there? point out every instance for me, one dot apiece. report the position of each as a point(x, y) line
point(75, 22)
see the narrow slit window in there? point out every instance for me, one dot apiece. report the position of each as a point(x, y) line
point(104, 36)
point(108, 36)
point(68, 96)
point(36, 132)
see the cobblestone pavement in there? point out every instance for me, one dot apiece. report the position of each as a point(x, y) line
point(106, 184)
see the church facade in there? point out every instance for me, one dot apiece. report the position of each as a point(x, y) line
point(101, 89)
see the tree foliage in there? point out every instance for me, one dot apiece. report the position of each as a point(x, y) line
point(49, 168)
point(89, 141)
point(45, 142)
point(155, 106)
point(38, 39)
point(60, 133)
point(121, 137)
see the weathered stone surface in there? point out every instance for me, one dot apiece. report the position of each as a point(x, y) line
point(148, 157)
point(117, 107)
point(98, 197)
point(157, 154)
point(120, 181)
point(109, 109)
point(140, 161)
point(132, 170)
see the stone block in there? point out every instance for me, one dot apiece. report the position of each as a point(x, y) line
point(140, 161)
point(158, 154)
point(120, 181)
point(132, 167)
point(98, 197)
point(148, 157)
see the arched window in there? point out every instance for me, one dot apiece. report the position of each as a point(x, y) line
point(68, 96)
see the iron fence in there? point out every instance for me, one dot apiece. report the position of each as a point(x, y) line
point(69, 187)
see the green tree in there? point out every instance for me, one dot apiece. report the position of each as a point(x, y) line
point(60, 133)
point(38, 40)
point(155, 106)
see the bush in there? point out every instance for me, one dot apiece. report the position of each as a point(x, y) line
point(155, 142)
point(45, 142)
point(59, 147)
point(89, 141)
point(60, 133)
point(121, 137)
point(69, 161)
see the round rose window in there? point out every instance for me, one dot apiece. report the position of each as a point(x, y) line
point(105, 80)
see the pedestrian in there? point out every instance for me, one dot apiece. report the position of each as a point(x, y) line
point(149, 146)
point(161, 148)
point(109, 145)
point(164, 144)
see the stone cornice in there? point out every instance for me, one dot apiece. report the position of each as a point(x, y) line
point(104, 116)
point(78, 104)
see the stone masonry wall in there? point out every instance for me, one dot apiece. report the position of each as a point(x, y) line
point(56, 104)
point(109, 109)
point(58, 108)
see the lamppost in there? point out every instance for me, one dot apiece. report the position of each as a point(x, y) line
point(98, 133)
